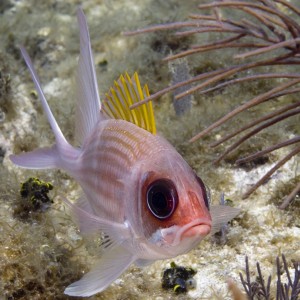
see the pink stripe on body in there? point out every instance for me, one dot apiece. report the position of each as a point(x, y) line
point(106, 164)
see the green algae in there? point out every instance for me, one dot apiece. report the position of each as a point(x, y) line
point(6, 107)
point(35, 263)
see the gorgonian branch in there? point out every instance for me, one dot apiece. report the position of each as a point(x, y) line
point(266, 34)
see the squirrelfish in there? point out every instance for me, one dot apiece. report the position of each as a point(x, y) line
point(137, 189)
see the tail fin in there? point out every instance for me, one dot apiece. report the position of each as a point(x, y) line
point(87, 110)
point(61, 142)
point(45, 157)
point(59, 137)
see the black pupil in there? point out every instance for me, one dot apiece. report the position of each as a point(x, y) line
point(162, 198)
point(160, 201)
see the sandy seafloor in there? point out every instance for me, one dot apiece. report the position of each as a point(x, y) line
point(41, 256)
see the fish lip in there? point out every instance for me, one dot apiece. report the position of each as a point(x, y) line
point(202, 224)
point(201, 229)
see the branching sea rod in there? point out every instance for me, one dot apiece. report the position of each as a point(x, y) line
point(265, 38)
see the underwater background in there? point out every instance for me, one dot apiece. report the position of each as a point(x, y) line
point(41, 250)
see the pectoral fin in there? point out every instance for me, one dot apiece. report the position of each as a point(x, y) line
point(221, 214)
point(143, 262)
point(90, 224)
point(112, 264)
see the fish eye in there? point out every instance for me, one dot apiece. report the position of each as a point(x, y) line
point(206, 192)
point(162, 198)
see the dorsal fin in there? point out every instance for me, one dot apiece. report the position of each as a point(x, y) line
point(125, 92)
point(88, 100)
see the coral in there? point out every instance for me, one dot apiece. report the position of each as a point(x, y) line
point(261, 289)
point(269, 34)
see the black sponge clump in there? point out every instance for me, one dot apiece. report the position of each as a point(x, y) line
point(34, 199)
point(178, 278)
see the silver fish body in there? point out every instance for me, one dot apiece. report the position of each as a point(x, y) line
point(137, 189)
point(120, 159)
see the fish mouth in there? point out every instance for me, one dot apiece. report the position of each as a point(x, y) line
point(197, 229)
point(201, 229)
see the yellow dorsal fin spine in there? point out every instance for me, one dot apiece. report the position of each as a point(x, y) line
point(125, 92)
point(151, 120)
point(134, 97)
point(138, 89)
point(126, 84)
point(114, 102)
